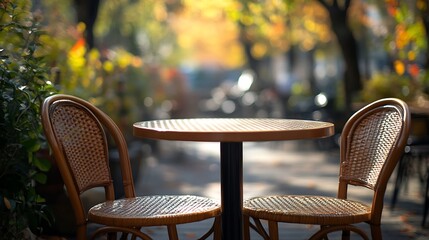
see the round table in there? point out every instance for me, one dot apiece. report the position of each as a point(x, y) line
point(231, 133)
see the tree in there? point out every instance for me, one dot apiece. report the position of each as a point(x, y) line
point(409, 45)
point(423, 6)
point(206, 34)
point(274, 28)
point(24, 84)
point(86, 12)
point(348, 45)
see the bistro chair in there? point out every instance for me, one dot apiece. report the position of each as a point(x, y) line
point(414, 162)
point(75, 130)
point(372, 142)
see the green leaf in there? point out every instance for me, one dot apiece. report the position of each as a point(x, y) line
point(41, 178)
point(40, 199)
point(31, 145)
point(42, 164)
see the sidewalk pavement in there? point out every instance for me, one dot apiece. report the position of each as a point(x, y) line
point(290, 167)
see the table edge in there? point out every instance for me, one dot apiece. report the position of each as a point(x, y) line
point(297, 134)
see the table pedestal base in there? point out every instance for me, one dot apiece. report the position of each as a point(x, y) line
point(231, 155)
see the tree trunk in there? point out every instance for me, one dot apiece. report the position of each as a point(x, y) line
point(349, 49)
point(87, 13)
point(252, 62)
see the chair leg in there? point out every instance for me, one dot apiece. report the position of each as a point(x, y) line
point(215, 230)
point(376, 232)
point(172, 232)
point(345, 235)
point(326, 236)
point(81, 232)
point(401, 171)
point(246, 228)
point(259, 228)
point(217, 233)
point(273, 229)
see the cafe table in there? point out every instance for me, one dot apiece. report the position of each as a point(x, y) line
point(231, 133)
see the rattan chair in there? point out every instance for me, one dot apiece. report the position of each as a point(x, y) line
point(75, 130)
point(372, 142)
point(414, 162)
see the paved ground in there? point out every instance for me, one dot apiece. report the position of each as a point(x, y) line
point(269, 168)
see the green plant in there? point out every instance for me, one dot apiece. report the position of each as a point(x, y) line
point(113, 79)
point(24, 83)
point(389, 85)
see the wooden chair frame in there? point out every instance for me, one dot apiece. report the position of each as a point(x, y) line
point(75, 130)
point(372, 142)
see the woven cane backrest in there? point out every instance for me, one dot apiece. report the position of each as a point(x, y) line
point(372, 141)
point(83, 142)
point(76, 131)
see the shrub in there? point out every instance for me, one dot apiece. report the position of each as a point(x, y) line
point(24, 84)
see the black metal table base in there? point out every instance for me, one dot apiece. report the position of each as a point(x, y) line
point(232, 190)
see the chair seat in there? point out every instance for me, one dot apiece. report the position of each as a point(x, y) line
point(307, 209)
point(154, 210)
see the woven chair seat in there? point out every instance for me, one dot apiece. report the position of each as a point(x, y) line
point(307, 209)
point(80, 136)
point(154, 210)
point(371, 143)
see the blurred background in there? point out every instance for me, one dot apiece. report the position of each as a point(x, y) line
point(313, 59)
point(307, 59)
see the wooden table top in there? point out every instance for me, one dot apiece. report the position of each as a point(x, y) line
point(232, 129)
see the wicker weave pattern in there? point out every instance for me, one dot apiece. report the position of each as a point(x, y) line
point(307, 209)
point(372, 141)
point(239, 125)
point(155, 210)
point(369, 146)
point(232, 129)
point(75, 130)
point(83, 143)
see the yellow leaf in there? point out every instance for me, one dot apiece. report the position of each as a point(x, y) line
point(108, 66)
point(259, 50)
point(399, 67)
point(411, 55)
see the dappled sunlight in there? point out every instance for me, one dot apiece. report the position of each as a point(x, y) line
point(269, 168)
point(145, 60)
